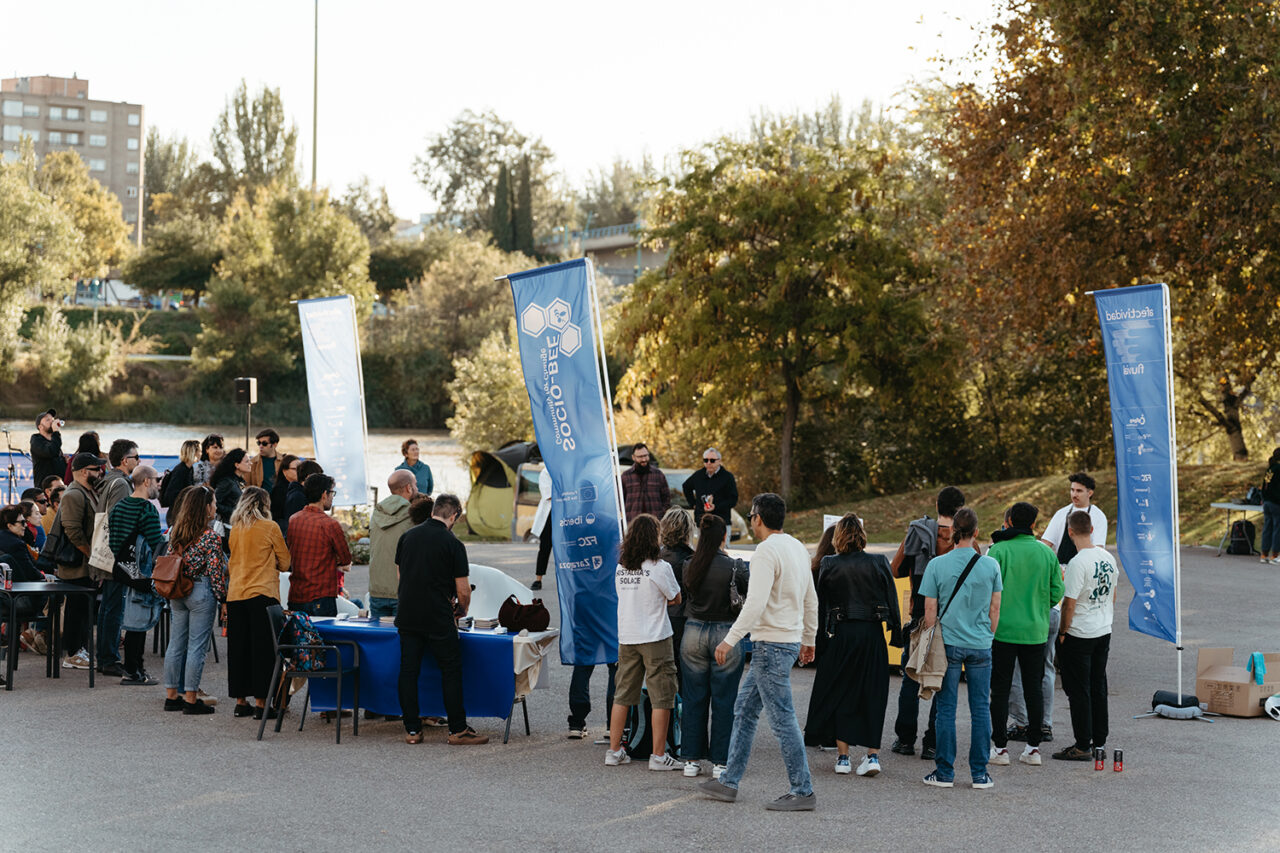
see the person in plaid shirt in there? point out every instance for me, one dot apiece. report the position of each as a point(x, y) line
point(644, 486)
point(319, 551)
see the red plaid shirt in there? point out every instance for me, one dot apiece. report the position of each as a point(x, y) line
point(643, 493)
point(317, 546)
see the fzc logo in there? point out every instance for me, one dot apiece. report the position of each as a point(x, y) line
point(535, 320)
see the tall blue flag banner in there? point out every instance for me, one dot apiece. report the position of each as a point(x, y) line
point(558, 315)
point(1136, 338)
point(335, 389)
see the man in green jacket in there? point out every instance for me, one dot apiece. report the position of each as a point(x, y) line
point(387, 523)
point(1032, 585)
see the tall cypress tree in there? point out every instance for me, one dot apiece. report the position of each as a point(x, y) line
point(501, 221)
point(524, 209)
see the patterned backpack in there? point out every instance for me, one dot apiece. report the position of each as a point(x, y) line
point(299, 631)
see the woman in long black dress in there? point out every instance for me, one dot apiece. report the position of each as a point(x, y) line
point(851, 689)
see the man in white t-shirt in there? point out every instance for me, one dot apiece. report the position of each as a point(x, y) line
point(645, 585)
point(1082, 486)
point(1084, 640)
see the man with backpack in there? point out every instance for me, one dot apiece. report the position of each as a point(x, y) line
point(926, 538)
point(133, 516)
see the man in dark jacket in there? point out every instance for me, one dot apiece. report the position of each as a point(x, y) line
point(644, 486)
point(713, 489)
point(926, 538)
point(46, 449)
point(75, 516)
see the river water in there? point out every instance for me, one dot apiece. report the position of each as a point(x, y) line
point(438, 448)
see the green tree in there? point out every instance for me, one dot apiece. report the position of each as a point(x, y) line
point(396, 264)
point(94, 210)
point(180, 254)
point(779, 289)
point(370, 209)
point(1121, 142)
point(39, 247)
point(617, 196)
point(283, 245)
point(460, 169)
point(522, 226)
point(78, 365)
point(490, 403)
point(254, 144)
point(169, 163)
point(501, 222)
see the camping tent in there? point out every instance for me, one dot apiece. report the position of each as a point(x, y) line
point(493, 478)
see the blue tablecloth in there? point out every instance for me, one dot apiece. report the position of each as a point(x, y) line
point(488, 675)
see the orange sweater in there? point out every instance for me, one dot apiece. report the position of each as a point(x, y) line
point(258, 556)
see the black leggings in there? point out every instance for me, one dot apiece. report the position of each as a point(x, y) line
point(544, 548)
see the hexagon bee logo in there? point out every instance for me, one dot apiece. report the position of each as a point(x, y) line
point(533, 320)
point(558, 314)
point(570, 339)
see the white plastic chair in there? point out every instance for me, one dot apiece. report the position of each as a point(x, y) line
point(492, 587)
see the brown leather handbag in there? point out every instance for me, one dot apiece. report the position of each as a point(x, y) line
point(515, 616)
point(169, 579)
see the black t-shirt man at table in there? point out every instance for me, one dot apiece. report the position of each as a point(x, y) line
point(434, 590)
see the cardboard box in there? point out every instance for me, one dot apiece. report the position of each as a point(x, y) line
point(1232, 690)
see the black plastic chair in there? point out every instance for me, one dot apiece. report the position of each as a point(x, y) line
point(283, 670)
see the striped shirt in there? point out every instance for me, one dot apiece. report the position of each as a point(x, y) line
point(131, 516)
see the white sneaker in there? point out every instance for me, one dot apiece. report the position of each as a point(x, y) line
point(578, 734)
point(80, 660)
point(870, 766)
point(692, 768)
point(664, 762)
point(716, 771)
point(613, 759)
point(999, 756)
point(1030, 755)
point(843, 766)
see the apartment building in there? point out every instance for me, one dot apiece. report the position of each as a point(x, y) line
point(58, 115)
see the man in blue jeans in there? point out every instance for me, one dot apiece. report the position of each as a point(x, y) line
point(781, 615)
point(967, 606)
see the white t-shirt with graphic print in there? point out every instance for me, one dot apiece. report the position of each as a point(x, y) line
point(642, 602)
point(1091, 579)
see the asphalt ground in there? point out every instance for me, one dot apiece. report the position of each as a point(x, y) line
point(106, 769)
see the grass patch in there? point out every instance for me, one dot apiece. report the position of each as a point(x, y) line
point(887, 517)
point(174, 331)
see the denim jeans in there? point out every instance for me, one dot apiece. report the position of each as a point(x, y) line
point(580, 695)
point(1017, 701)
point(319, 607)
point(380, 607)
point(767, 686)
point(110, 618)
point(977, 668)
point(707, 686)
point(1270, 544)
point(189, 630)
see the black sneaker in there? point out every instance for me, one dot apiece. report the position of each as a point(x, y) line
point(928, 753)
point(1018, 733)
point(258, 713)
point(1073, 753)
point(196, 708)
point(174, 704)
point(112, 669)
point(903, 748)
point(138, 679)
point(1046, 734)
point(536, 585)
point(245, 710)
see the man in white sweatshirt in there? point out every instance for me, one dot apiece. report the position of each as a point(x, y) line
point(781, 615)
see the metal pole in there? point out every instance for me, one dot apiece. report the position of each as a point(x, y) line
point(315, 96)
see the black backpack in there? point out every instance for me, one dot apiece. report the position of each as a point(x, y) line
point(637, 740)
point(164, 487)
point(1242, 534)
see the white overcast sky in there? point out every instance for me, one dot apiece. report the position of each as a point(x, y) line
point(595, 80)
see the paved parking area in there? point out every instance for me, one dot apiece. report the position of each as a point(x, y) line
point(107, 769)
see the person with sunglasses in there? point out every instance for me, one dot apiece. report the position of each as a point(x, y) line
point(115, 487)
point(265, 464)
point(713, 489)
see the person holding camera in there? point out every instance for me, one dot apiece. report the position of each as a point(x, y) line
point(46, 448)
point(851, 689)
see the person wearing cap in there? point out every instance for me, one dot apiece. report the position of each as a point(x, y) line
point(46, 448)
point(76, 513)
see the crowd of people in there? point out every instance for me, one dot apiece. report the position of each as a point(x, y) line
point(1009, 618)
point(1005, 616)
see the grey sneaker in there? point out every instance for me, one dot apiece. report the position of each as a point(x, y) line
point(717, 790)
point(793, 803)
